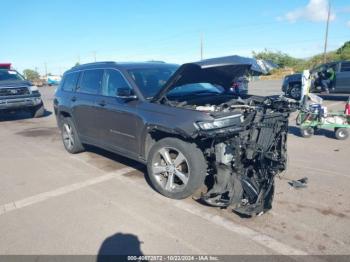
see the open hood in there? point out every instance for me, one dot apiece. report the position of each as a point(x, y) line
point(218, 71)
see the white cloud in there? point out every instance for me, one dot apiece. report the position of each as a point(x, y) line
point(315, 11)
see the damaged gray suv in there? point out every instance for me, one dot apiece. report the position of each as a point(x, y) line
point(184, 123)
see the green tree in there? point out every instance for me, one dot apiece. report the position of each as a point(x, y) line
point(279, 58)
point(285, 60)
point(343, 52)
point(31, 75)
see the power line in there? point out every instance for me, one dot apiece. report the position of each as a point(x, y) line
point(201, 46)
point(167, 41)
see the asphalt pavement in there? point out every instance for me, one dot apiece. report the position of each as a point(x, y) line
point(96, 202)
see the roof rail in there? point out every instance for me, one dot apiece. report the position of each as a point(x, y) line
point(155, 61)
point(95, 63)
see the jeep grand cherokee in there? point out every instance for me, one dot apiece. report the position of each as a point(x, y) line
point(183, 123)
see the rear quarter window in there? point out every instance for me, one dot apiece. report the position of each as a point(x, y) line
point(345, 67)
point(70, 82)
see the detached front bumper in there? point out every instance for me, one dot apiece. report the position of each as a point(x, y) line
point(19, 102)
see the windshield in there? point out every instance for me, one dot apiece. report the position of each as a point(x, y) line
point(151, 80)
point(8, 75)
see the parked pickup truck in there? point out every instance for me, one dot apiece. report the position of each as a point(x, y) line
point(292, 83)
point(17, 94)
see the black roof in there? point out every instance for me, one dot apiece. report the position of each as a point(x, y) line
point(122, 65)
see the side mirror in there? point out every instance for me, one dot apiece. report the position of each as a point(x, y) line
point(125, 93)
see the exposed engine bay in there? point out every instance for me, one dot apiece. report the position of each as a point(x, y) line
point(243, 158)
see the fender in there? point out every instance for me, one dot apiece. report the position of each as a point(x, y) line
point(150, 128)
point(63, 110)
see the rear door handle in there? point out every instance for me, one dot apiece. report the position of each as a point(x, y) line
point(102, 103)
point(73, 99)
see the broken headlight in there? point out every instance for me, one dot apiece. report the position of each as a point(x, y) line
point(220, 122)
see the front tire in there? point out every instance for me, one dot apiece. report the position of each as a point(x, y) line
point(176, 168)
point(70, 137)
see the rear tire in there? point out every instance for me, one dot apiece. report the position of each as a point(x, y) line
point(295, 92)
point(70, 137)
point(307, 132)
point(176, 168)
point(341, 133)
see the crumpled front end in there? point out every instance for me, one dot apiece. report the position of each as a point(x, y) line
point(243, 163)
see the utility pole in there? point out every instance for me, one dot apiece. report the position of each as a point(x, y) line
point(94, 54)
point(45, 66)
point(326, 36)
point(201, 47)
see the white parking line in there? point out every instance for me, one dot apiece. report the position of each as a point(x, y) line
point(61, 191)
point(262, 239)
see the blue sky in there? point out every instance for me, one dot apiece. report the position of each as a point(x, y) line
point(62, 32)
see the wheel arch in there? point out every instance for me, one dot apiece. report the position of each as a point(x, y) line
point(62, 114)
point(154, 133)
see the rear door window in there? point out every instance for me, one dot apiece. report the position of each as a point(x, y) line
point(70, 82)
point(91, 81)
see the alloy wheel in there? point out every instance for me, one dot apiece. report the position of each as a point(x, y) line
point(68, 138)
point(171, 169)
